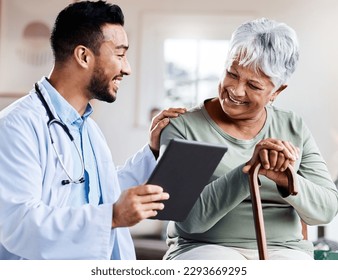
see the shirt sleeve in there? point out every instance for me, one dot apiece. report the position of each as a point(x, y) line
point(137, 168)
point(223, 199)
point(317, 198)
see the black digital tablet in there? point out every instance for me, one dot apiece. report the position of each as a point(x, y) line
point(183, 171)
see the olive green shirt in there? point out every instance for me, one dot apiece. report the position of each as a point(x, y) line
point(223, 213)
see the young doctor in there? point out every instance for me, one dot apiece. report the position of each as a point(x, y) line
point(61, 196)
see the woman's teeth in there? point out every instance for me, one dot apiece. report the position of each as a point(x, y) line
point(236, 101)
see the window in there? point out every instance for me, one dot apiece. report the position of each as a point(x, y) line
point(181, 59)
point(192, 70)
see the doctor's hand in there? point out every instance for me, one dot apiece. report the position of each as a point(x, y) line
point(136, 204)
point(160, 121)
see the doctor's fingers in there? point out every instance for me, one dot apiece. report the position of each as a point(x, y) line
point(128, 212)
point(146, 189)
point(150, 209)
point(159, 122)
point(155, 132)
point(165, 114)
point(146, 207)
point(143, 211)
point(144, 199)
point(149, 193)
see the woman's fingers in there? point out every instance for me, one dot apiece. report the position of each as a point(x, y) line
point(273, 154)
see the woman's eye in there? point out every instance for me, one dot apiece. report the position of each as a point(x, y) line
point(232, 75)
point(254, 87)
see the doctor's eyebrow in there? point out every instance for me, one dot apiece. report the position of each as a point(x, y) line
point(122, 47)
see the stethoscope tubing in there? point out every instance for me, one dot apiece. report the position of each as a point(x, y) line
point(52, 120)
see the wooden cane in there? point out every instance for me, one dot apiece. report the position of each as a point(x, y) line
point(257, 205)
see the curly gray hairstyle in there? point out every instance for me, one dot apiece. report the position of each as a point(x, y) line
point(267, 46)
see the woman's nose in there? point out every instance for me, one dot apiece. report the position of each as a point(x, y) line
point(237, 90)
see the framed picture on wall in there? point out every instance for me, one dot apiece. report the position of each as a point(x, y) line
point(25, 53)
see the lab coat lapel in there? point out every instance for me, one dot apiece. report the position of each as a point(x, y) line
point(110, 188)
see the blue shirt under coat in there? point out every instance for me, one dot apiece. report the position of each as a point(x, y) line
point(88, 191)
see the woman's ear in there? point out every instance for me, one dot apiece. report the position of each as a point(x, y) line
point(83, 56)
point(278, 91)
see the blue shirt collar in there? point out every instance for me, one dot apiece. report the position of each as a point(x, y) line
point(66, 112)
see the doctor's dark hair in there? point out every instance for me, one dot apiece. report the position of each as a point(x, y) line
point(80, 23)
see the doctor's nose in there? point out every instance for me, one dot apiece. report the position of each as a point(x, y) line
point(126, 69)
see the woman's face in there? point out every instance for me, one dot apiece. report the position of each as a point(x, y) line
point(243, 93)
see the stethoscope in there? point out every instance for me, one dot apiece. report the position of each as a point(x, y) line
point(53, 120)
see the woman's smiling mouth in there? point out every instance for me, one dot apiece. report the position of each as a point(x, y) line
point(234, 100)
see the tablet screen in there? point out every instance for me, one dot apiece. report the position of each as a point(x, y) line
point(183, 171)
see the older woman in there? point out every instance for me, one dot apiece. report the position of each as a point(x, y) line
point(262, 56)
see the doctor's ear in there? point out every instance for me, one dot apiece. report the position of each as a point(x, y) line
point(83, 56)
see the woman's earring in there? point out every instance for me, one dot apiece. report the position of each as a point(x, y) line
point(271, 102)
